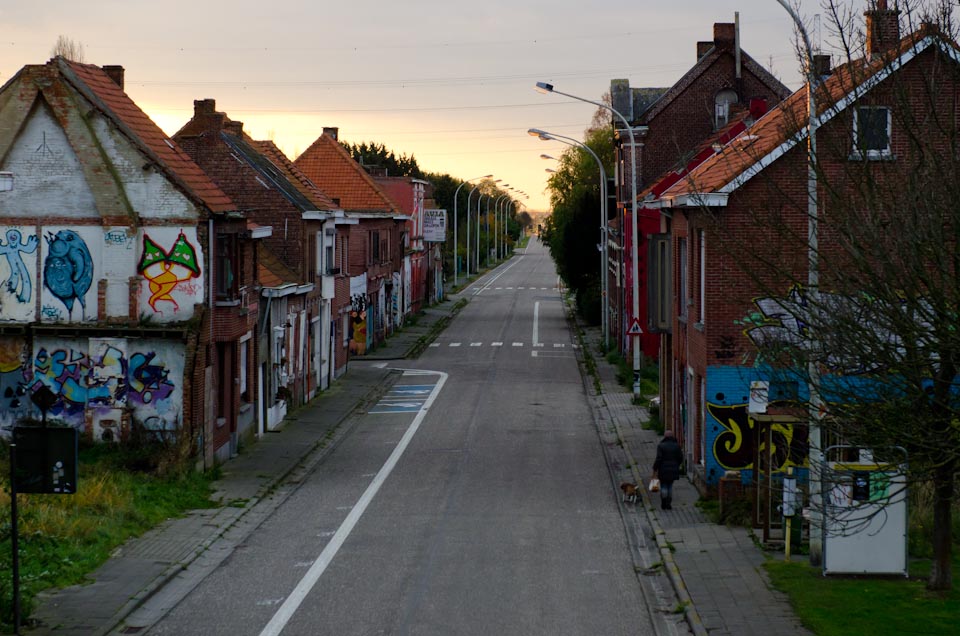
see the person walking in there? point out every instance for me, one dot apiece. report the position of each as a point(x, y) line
point(666, 468)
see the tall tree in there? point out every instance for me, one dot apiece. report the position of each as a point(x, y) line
point(68, 48)
point(374, 155)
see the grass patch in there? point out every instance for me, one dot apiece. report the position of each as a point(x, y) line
point(65, 537)
point(843, 606)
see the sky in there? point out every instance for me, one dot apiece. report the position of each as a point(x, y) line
point(444, 81)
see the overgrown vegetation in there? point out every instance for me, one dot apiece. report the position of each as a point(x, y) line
point(62, 538)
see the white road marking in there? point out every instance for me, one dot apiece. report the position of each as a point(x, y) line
point(496, 344)
point(434, 344)
point(536, 323)
point(558, 345)
point(475, 344)
point(454, 344)
point(517, 344)
point(309, 580)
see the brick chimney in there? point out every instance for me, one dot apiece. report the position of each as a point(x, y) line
point(204, 107)
point(821, 65)
point(331, 131)
point(235, 128)
point(703, 48)
point(115, 73)
point(724, 34)
point(883, 28)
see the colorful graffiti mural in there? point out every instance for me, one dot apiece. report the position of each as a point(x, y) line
point(18, 281)
point(93, 379)
point(68, 269)
point(165, 270)
point(740, 440)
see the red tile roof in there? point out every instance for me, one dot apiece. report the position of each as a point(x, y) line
point(785, 125)
point(328, 165)
point(273, 273)
point(103, 92)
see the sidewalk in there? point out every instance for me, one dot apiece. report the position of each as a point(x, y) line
point(715, 570)
point(149, 574)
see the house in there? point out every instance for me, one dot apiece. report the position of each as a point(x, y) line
point(718, 312)
point(669, 124)
point(371, 253)
point(409, 194)
point(295, 326)
point(117, 252)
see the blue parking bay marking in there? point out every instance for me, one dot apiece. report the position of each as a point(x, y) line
point(403, 398)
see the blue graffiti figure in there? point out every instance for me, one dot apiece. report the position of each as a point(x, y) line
point(68, 268)
point(19, 281)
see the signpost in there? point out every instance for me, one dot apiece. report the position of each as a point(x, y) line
point(434, 226)
point(42, 460)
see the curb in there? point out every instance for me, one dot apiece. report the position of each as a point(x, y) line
point(690, 612)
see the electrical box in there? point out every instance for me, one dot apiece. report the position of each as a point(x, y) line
point(46, 460)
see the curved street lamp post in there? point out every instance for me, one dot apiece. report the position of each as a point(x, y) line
point(456, 266)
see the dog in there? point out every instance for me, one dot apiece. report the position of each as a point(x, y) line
point(630, 492)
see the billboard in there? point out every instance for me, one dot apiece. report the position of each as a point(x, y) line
point(434, 226)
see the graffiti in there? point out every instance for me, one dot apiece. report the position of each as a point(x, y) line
point(106, 382)
point(738, 444)
point(51, 313)
point(118, 238)
point(13, 380)
point(358, 331)
point(726, 349)
point(166, 270)
point(149, 381)
point(358, 303)
point(63, 372)
point(19, 282)
point(68, 269)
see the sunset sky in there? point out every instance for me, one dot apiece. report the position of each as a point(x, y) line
point(449, 82)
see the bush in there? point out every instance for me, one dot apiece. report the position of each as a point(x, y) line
point(589, 306)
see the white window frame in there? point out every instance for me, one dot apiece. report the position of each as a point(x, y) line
point(683, 287)
point(702, 239)
point(871, 154)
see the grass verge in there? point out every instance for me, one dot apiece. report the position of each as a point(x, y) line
point(842, 606)
point(65, 537)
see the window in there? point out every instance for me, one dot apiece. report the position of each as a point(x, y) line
point(871, 132)
point(702, 267)
point(722, 102)
point(312, 257)
point(329, 265)
point(684, 292)
point(659, 283)
point(374, 247)
point(226, 267)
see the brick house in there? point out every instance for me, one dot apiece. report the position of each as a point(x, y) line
point(718, 311)
point(114, 253)
point(294, 335)
point(371, 252)
point(669, 125)
point(409, 195)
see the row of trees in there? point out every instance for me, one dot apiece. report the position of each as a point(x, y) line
point(572, 231)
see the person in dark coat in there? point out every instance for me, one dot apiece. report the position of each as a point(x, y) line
point(666, 468)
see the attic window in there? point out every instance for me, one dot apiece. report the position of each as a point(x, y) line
point(6, 181)
point(169, 143)
point(722, 101)
point(871, 132)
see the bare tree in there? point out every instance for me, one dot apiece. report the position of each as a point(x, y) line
point(68, 48)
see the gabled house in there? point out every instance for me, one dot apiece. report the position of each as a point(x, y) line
point(115, 253)
point(371, 253)
point(669, 125)
point(718, 312)
point(298, 223)
point(409, 195)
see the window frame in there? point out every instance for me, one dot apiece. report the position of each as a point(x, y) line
point(870, 154)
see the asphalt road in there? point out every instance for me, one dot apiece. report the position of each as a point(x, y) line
point(472, 499)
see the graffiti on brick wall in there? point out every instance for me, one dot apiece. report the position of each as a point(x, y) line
point(165, 270)
point(18, 281)
point(738, 443)
point(68, 270)
point(141, 377)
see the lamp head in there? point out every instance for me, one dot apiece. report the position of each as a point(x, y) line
point(543, 87)
point(548, 157)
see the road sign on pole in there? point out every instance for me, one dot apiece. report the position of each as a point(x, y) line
point(635, 329)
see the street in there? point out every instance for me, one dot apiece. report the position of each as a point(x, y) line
point(473, 498)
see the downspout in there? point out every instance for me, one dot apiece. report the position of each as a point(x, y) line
point(212, 296)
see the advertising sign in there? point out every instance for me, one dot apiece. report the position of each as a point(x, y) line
point(434, 226)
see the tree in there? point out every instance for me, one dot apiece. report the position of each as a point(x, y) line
point(377, 157)
point(572, 230)
point(877, 341)
point(67, 48)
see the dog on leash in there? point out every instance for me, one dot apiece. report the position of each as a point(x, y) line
point(630, 492)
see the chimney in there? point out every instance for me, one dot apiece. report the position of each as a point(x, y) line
point(883, 29)
point(621, 97)
point(204, 107)
point(724, 34)
point(235, 128)
point(115, 73)
point(703, 48)
point(332, 132)
point(821, 65)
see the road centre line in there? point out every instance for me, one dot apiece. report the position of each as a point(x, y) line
point(312, 576)
point(536, 323)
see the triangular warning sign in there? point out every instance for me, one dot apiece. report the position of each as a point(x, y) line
point(635, 329)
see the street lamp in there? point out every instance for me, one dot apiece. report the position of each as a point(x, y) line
point(570, 141)
point(455, 193)
point(813, 285)
point(496, 218)
point(477, 254)
point(543, 87)
point(467, 247)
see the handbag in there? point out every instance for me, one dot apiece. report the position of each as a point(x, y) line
point(654, 485)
